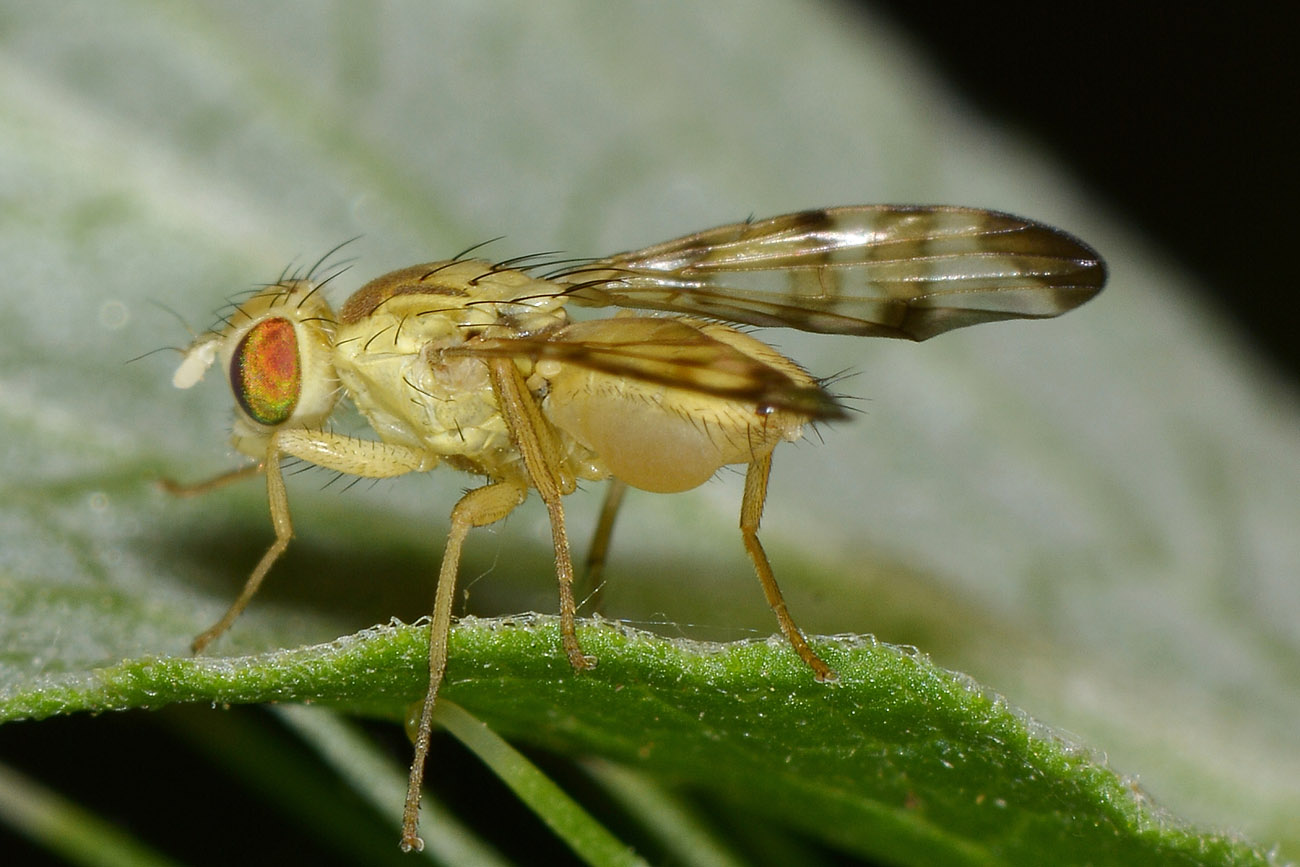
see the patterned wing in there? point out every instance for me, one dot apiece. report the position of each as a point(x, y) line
point(669, 352)
point(879, 270)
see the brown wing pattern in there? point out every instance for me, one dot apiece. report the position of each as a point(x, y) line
point(666, 352)
point(886, 271)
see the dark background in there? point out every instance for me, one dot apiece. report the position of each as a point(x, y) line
point(1181, 115)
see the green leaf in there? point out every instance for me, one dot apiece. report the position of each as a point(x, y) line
point(900, 759)
point(1093, 516)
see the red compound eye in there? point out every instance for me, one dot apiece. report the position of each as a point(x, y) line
point(265, 373)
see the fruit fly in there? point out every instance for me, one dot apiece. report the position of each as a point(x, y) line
point(476, 366)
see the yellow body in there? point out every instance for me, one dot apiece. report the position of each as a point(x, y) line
point(395, 356)
point(658, 437)
point(476, 365)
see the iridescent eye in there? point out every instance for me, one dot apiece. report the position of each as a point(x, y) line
point(265, 373)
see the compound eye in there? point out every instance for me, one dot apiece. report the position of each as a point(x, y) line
point(265, 372)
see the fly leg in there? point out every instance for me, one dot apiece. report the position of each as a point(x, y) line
point(479, 507)
point(279, 502)
point(350, 455)
point(593, 577)
point(751, 513)
point(176, 489)
point(533, 436)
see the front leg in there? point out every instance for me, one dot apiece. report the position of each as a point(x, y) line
point(357, 457)
point(370, 459)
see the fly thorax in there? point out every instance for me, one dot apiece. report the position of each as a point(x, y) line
point(457, 405)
